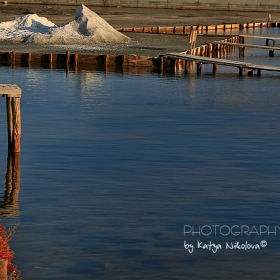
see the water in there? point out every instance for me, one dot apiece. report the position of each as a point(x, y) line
point(113, 165)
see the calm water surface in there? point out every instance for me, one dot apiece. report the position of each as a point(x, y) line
point(114, 165)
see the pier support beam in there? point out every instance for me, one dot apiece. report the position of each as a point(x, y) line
point(240, 71)
point(271, 53)
point(198, 68)
point(241, 51)
point(215, 69)
point(13, 95)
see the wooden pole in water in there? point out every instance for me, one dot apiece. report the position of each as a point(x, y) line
point(13, 95)
point(199, 67)
point(240, 71)
point(3, 269)
point(271, 53)
point(215, 69)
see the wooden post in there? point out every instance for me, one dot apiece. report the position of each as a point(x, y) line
point(271, 53)
point(259, 73)
point(50, 60)
point(68, 57)
point(12, 57)
point(192, 40)
point(241, 51)
point(29, 58)
point(3, 269)
point(216, 51)
point(76, 59)
point(172, 65)
point(269, 21)
point(13, 95)
point(240, 71)
point(210, 50)
point(106, 62)
point(199, 67)
point(215, 69)
point(163, 63)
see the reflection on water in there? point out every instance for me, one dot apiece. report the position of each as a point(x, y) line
point(9, 204)
point(113, 165)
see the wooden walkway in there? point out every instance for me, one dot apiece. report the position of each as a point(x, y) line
point(242, 46)
point(245, 45)
point(243, 66)
point(274, 39)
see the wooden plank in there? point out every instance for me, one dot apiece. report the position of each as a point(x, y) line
point(10, 90)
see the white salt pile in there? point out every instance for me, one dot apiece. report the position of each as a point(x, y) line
point(20, 29)
point(86, 28)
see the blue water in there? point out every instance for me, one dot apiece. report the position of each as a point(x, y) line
point(113, 165)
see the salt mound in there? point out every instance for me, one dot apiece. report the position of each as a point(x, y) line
point(19, 29)
point(33, 22)
point(86, 28)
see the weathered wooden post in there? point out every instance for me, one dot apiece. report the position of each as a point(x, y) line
point(215, 69)
point(271, 53)
point(13, 95)
point(240, 71)
point(269, 21)
point(193, 37)
point(198, 68)
point(3, 269)
point(241, 51)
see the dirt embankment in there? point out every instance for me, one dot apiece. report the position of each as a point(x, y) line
point(142, 44)
point(137, 17)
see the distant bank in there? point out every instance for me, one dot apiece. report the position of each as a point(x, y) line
point(248, 5)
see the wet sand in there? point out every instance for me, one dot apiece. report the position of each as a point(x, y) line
point(142, 44)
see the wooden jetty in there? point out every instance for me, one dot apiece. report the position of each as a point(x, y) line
point(13, 95)
point(273, 39)
point(243, 66)
point(242, 46)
